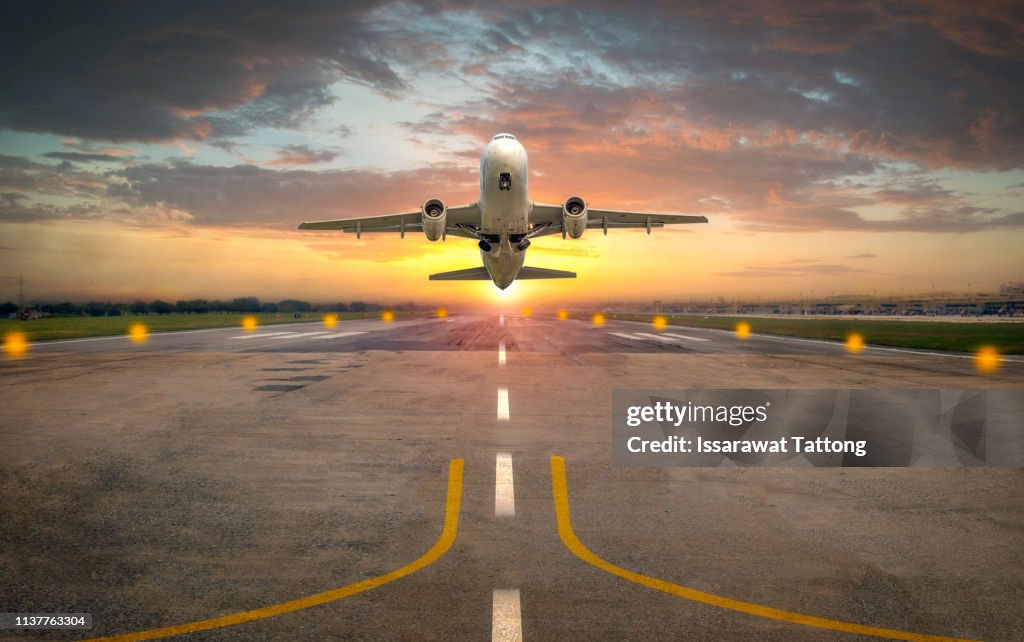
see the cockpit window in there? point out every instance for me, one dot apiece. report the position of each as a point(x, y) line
point(508, 136)
point(504, 181)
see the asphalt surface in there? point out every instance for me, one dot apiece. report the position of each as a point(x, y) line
point(206, 473)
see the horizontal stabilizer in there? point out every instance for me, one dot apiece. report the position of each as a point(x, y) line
point(469, 274)
point(544, 273)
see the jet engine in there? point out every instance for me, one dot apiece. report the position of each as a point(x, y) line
point(434, 215)
point(574, 216)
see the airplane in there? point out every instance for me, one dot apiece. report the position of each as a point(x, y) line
point(503, 220)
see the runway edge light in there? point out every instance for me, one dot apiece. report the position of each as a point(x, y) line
point(598, 319)
point(249, 323)
point(987, 359)
point(659, 322)
point(15, 344)
point(854, 342)
point(138, 332)
point(330, 320)
point(743, 330)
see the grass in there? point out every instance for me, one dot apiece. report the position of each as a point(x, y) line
point(78, 327)
point(1005, 337)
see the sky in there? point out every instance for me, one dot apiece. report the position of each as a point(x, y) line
point(169, 150)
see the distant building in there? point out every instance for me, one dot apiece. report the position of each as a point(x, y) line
point(1013, 288)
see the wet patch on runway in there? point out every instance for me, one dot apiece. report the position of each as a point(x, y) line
point(283, 369)
point(307, 378)
point(318, 362)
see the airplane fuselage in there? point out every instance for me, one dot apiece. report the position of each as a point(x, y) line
point(504, 208)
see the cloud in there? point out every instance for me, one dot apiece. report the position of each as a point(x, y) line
point(758, 71)
point(302, 155)
point(245, 195)
point(837, 76)
point(80, 157)
point(865, 255)
point(776, 117)
point(181, 71)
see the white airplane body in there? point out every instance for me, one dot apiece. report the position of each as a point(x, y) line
point(503, 220)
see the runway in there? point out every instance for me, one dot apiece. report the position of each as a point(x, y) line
point(211, 473)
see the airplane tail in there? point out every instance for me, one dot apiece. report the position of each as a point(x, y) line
point(480, 274)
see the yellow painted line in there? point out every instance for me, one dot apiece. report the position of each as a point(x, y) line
point(451, 527)
point(561, 494)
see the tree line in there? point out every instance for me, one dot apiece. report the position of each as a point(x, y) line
point(248, 304)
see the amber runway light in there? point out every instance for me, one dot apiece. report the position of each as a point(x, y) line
point(854, 343)
point(743, 330)
point(138, 333)
point(15, 345)
point(987, 359)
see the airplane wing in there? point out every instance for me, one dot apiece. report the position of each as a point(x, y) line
point(402, 222)
point(551, 214)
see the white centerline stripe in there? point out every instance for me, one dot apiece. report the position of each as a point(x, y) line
point(648, 335)
point(264, 335)
point(501, 321)
point(501, 352)
point(685, 336)
point(305, 335)
point(507, 616)
point(504, 489)
point(503, 404)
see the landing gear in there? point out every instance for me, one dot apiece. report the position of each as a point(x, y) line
point(484, 245)
point(522, 245)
